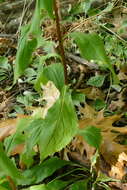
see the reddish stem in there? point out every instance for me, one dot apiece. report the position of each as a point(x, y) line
point(59, 35)
point(11, 182)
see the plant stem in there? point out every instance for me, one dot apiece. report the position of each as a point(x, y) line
point(59, 35)
point(11, 182)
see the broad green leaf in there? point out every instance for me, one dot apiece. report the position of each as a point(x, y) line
point(96, 81)
point(7, 166)
point(45, 169)
point(33, 130)
point(48, 6)
point(59, 126)
point(92, 135)
point(30, 38)
point(24, 55)
point(92, 48)
point(54, 73)
point(79, 185)
point(35, 23)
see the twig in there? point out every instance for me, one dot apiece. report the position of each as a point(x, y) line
point(80, 79)
point(11, 6)
point(112, 32)
point(59, 35)
point(82, 61)
point(7, 36)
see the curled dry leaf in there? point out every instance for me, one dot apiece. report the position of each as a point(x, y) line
point(50, 95)
point(81, 151)
point(7, 128)
point(111, 150)
point(119, 169)
point(93, 93)
point(120, 101)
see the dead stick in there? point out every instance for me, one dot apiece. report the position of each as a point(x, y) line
point(59, 35)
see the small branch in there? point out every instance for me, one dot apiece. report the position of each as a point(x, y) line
point(59, 35)
point(82, 61)
point(7, 36)
point(11, 182)
point(112, 32)
point(8, 6)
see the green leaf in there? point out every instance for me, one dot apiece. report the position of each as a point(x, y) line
point(57, 184)
point(4, 184)
point(35, 23)
point(37, 187)
point(53, 185)
point(24, 54)
point(105, 186)
point(92, 48)
point(79, 185)
point(30, 38)
point(103, 178)
point(3, 188)
point(78, 97)
point(48, 6)
point(4, 63)
point(94, 160)
point(7, 166)
point(116, 87)
point(99, 104)
point(92, 135)
point(96, 81)
point(54, 73)
point(59, 126)
point(45, 169)
point(18, 138)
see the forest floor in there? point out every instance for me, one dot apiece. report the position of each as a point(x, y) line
point(102, 103)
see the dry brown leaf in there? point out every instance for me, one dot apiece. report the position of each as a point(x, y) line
point(110, 149)
point(122, 76)
point(93, 93)
point(8, 126)
point(17, 150)
point(88, 112)
point(50, 94)
point(118, 171)
point(118, 185)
